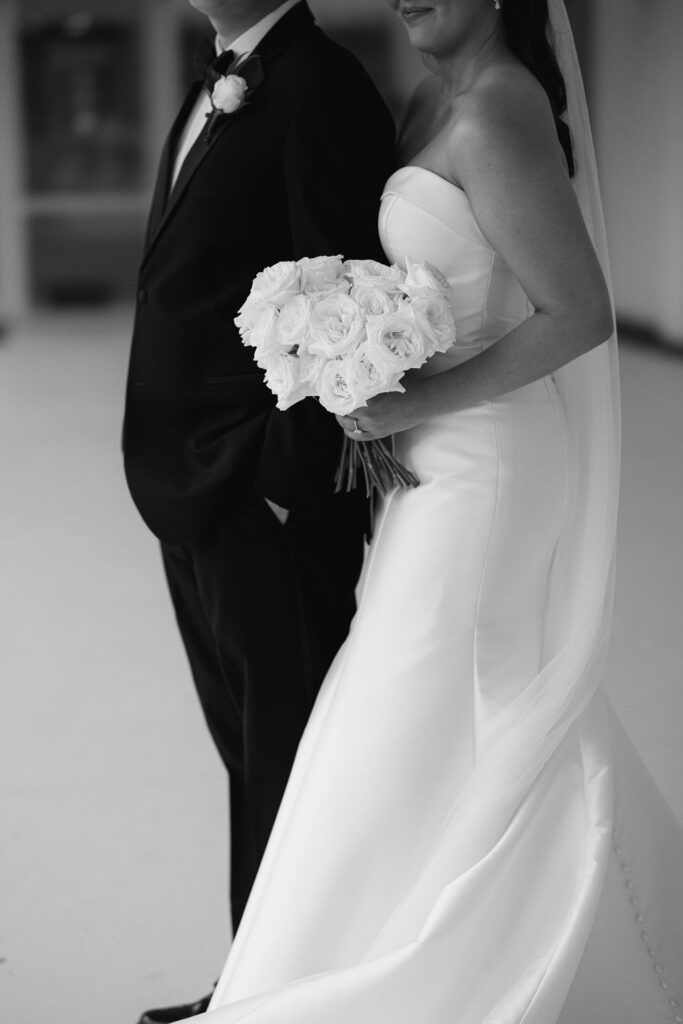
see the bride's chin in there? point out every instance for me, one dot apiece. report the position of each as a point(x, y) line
point(426, 47)
point(422, 41)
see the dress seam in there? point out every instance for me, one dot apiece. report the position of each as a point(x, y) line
point(571, 915)
point(560, 418)
point(479, 600)
point(427, 213)
point(384, 218)
point(485, 303)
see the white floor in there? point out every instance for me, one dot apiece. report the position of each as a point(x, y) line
point(114, 848)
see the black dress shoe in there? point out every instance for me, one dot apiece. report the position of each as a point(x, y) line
point(170, 1014)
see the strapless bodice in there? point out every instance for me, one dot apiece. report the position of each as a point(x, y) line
point(423, 217)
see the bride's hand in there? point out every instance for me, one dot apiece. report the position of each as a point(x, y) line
point(383, 415)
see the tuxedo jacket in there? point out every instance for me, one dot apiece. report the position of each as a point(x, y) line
point(297, 171)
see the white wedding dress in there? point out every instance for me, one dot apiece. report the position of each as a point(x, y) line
point(452, 847)
point(467, 836)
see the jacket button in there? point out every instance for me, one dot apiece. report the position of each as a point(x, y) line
point(143, 296)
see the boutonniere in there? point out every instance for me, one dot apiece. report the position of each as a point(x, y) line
point(232, 90)
point(229, 94)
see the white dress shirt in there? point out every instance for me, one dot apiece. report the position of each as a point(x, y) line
point(244, 44)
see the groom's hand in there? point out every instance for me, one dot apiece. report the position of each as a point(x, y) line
point(278, 510)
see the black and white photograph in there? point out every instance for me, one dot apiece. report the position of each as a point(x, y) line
point(341, 571)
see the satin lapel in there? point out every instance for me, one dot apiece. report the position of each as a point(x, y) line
point(160, 200)
point(156, 211)
point(287, 29)
point(193, 161)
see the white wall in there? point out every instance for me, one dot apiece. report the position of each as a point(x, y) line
point(637, 89)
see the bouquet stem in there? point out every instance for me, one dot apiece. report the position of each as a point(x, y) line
point(381, 469)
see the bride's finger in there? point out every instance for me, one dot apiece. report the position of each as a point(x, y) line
point(351, 426)
point(358, 435)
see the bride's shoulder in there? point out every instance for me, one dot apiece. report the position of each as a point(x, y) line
point(505, 119)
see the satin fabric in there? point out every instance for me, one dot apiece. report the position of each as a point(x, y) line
point(445, 850)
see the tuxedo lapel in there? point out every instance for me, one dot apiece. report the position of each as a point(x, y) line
point(163, 208)
point(164, 175)
point(194, 158)
point(160, 192)
point(199, 152)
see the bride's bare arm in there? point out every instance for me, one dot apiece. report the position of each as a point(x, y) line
point(504, 153)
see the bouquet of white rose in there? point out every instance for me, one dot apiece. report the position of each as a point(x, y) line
point(343, 332)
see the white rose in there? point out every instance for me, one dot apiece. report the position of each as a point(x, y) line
point(337, 326)
point(372, 300)
point(276, 284)
point(396, 342)
point(229, 93)
point(434, 318)
point(264, 336)
point(293, 322)
point(311, 367)
point(336, 392)
point(283, 379)
point(423, 280)
point(247, 317)
point(377, 275)
point(323, 275)
point(368, 378)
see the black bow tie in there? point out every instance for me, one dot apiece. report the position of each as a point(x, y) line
point(209, 67)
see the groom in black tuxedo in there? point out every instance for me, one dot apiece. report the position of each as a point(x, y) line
point(260, 555)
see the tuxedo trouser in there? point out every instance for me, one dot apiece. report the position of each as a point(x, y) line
point(262, 609)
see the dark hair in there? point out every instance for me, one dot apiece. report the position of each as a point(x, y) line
point(527, 33)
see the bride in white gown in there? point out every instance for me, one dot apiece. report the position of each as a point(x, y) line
point(467, 836)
